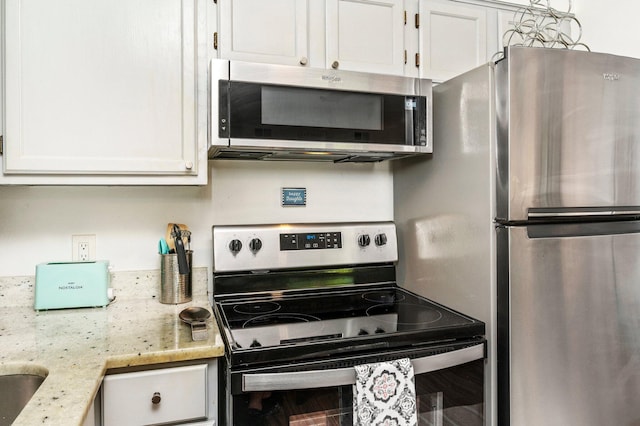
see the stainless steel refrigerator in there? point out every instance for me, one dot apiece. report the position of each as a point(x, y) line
point(527, 216)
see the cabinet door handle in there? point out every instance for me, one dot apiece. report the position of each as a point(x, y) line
point(335, 65)
point(303, 61)
point(156, 398)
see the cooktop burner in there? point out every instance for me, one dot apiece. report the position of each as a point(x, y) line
point(408, 307)
point(383, 296)
point(422, 315)
point(273, 319)
point(257, 308)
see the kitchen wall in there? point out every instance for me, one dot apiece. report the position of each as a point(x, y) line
point(610, 26)
point(36, 223)
point(607, 26)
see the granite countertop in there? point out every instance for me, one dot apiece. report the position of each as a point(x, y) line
point(75, 347)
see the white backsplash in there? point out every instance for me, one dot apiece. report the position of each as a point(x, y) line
point(38, 221)
point(19, 291)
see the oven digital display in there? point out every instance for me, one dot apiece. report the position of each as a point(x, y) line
point(310, 241)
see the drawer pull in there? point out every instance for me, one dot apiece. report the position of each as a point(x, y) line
point(156, 398)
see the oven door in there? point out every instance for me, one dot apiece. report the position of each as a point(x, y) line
point(449, 385)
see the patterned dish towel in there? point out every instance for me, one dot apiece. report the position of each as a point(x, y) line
point(385, 394)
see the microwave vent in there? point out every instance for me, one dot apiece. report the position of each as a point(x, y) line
point(290, 155)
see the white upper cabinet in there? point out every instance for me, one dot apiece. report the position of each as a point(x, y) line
point(355, 35)
point(273, 31)
point(105, 92)
point(455, 36)
point(365, 35)
point(452, 38)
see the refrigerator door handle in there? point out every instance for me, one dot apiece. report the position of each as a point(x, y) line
point(565, 213)
point(584, 228)
point(346, 376)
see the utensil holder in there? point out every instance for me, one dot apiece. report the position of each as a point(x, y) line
point(174, 287)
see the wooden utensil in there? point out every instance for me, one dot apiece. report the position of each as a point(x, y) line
point(169, 237)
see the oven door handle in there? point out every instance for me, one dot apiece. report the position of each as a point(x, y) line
point(254, 382)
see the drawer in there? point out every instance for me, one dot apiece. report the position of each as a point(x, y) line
point(156, 396)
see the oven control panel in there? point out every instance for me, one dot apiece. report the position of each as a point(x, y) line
point(262, 247)
point(310, 241)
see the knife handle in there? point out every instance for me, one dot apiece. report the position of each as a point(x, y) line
point(183, 266)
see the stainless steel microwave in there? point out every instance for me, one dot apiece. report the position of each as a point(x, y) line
point(278, 112)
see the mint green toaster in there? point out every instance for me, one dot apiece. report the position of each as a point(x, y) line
point(72, 285)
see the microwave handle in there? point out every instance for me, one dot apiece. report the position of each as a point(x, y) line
point(346, 376)
point(409, 114)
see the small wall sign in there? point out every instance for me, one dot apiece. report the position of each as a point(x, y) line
point(294, 197)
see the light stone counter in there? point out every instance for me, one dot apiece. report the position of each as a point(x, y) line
point(75, 347)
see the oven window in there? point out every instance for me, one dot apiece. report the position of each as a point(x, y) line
point(452, 397)
point(259, 111)
point(448, 397)
point(324, 406)
point(288, 106)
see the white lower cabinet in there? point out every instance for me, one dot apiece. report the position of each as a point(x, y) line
point(176, 395)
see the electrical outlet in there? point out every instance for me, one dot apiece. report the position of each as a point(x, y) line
point(83, 247)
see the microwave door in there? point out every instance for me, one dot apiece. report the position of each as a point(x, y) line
point(273, 119)
point(260, 111)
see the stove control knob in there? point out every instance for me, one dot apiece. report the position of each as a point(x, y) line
point(364, 240)
point(379, 330)
point(380, 239)
point(235, 246)
point(255, 245)
point(255, 344)
point(362, 332)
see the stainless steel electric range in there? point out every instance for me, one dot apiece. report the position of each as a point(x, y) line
point(300, 305)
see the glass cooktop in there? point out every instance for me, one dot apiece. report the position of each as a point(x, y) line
point(322, 320)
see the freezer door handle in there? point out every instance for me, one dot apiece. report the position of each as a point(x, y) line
point(550, 214)
point(253, 382)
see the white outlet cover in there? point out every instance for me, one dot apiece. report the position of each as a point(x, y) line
point(81, 255)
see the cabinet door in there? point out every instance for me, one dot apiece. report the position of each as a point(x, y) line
point(365, 35)
point(106, 88)
point(274, 31)
point(157, 396)
point(452, 38)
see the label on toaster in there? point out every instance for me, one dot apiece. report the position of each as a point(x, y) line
point(70, 286)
